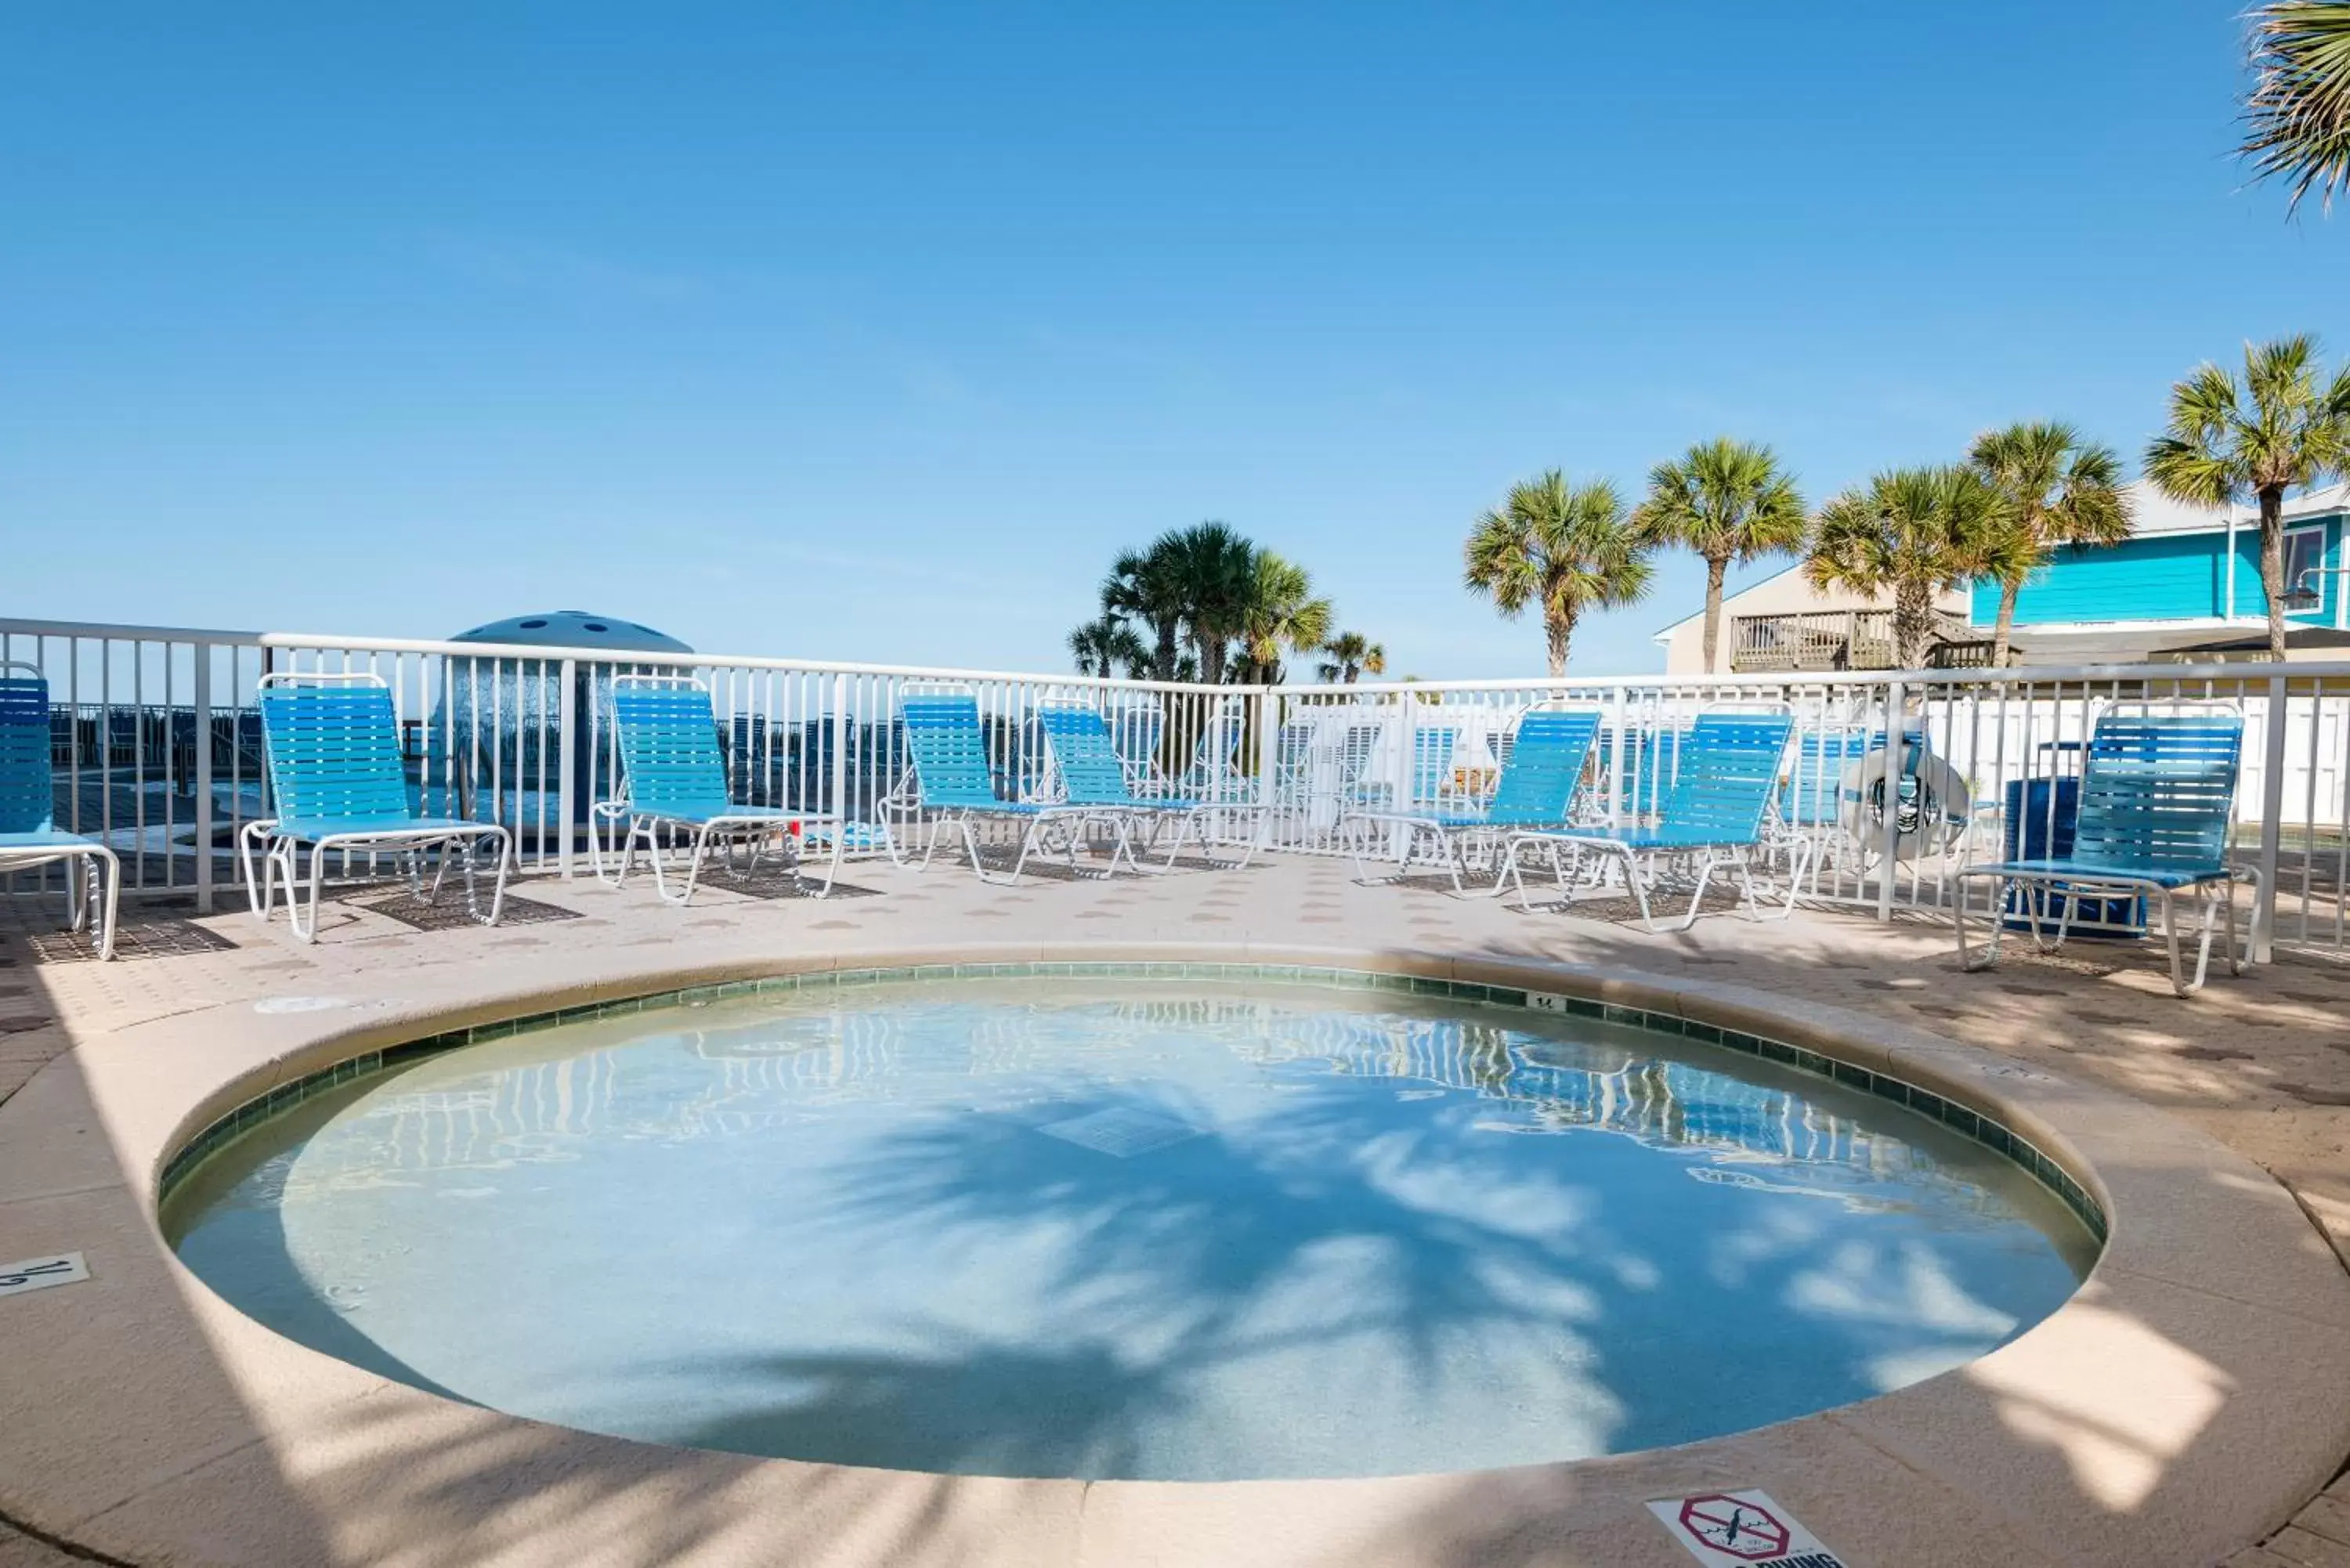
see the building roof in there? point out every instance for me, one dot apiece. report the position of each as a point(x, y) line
point(2157, 513)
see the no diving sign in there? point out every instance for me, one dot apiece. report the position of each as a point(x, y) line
point(1741, 1530)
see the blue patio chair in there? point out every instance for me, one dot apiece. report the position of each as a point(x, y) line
point(954, 784)
point(1725, 770)
point(1215, 759)
point(332, 743)
point(665, 732)
point(1547, 758)
point(2156, 815)
point(1431, 768)
point(1136, 732)
point(1086, 767)
point(29, 837)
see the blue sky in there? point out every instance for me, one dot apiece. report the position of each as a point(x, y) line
point(874, 332)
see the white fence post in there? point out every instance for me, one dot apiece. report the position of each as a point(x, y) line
point(566, 786)
point(1897, 756)
point(1268, 730)
point(840, 730)
point(200, 697)
point(1620, 699)
point(2273, 745)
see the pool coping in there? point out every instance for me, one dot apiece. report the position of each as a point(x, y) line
point(2193, 1394)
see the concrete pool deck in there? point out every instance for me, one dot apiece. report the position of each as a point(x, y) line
point(2191, 1400)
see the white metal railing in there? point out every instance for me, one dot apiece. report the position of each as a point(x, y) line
point(156, 748)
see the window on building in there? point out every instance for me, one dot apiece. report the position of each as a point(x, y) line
point(2304, 552)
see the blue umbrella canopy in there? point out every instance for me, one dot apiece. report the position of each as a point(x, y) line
point(489, 745)
point(574, 628)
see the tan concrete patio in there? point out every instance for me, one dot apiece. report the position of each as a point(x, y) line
point(2260, 1064)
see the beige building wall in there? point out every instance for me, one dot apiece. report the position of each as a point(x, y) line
point(1787, 593)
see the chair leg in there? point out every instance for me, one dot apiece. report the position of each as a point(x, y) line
point(1640, 892)
point(1696, 896)
point(93, 886)
point(253, 888)
point(2240, 959)
point(1260, 839)
point(979, 866)
point(1450, 843)
point(1968, 963)
point(1801, 865)
point(113, 901)
point(628, 849)
point(1029, 842)
point(1507, 875)
point(1746, 883)
point(293, 901)
point(505, 846)
point(694, 866)
point(839, 848)
point(2171, 942)
point(1192, 826)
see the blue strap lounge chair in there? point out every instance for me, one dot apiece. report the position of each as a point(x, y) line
point(1086, 768)
point(1136, 730)
point(1547, 758)
point(1724, 773)
point(29, 837)
point(333, 747)
point(1431, 771)
point(666, 732)
point(954, 784)
point(1214, 774)
point(2157, 810)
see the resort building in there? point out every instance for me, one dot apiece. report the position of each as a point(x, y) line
point(1783, 624)
point(2185, 586)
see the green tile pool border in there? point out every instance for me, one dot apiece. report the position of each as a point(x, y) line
point(1978, 1125)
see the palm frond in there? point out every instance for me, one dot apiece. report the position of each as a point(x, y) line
point(2297, 115)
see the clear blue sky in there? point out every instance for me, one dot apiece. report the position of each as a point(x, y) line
point(873, 333)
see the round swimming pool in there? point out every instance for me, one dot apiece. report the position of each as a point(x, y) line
point(1125, 1227)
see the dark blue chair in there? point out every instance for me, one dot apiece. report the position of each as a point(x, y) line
point(2156, 814)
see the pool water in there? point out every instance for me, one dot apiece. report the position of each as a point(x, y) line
point(1178, 1229)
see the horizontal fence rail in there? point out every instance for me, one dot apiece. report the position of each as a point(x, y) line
point(1894, 779)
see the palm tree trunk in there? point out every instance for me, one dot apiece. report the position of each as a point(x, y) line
point(1913, 620)
point(2007, 593)
point(1162, 661)
point(2273, 583)
point(1560, 629)
point(1212, 661)
point(1715, 565)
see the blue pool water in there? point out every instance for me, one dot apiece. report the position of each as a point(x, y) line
point(1127, 1228)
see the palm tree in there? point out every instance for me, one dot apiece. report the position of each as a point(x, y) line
point(1101, 647)
point(1915, 533)
point(1146, 587)
point(1282, 614)
point(1727, 500)
point(2060, 490)
point(2283, 430)
point(2298, 113)
point(1211, 574)
point(1351, 654)
point(1563, 547)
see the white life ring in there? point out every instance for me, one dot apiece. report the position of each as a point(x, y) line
point(1929, 803)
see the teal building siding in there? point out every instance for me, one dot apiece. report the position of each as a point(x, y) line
point(2165, 577)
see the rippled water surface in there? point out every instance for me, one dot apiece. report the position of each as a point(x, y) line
point(1128, 1228)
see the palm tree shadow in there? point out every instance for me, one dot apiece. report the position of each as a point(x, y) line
point(1228, 1259)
